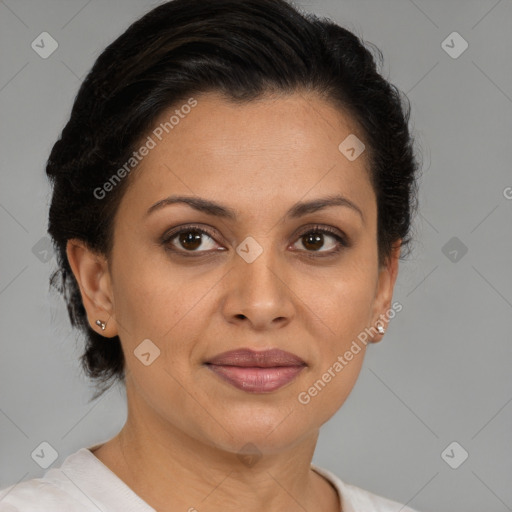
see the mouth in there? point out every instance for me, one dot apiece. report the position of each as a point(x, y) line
point(256, 372)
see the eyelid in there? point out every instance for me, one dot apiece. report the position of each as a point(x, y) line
point(319, 227)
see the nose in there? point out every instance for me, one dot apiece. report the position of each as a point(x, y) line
point(258, 293)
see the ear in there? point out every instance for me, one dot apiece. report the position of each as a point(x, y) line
point(384, 292)
point(93, 277)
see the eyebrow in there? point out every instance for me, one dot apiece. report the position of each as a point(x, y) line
point(297, 210)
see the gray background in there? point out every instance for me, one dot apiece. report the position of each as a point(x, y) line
point(442, 372)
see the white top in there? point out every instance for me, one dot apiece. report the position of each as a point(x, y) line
point(84, 484)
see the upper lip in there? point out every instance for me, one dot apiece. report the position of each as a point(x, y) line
point(250, 358)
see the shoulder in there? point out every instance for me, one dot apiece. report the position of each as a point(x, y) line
point(355, 499)
point(375, 502)
point(36, 495)
point(60, 489)
point(81, 484)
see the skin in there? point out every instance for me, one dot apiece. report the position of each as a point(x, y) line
point(185, 425)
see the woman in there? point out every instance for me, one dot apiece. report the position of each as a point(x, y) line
point(231, 197)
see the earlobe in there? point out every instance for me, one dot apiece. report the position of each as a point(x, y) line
point(92, 275)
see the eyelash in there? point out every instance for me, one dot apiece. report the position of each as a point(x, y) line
point(341, 240)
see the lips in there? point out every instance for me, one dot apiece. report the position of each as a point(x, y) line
point(256, 372)
point(261, 359)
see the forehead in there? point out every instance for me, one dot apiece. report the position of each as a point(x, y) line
point(278, 148)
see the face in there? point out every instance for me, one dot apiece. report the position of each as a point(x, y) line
point(272, 275)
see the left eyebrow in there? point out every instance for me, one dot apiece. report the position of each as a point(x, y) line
point(300, 209)
point(297, 210)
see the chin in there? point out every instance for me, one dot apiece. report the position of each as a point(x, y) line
point(261, 432)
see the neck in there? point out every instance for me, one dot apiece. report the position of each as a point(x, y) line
point(172, 470)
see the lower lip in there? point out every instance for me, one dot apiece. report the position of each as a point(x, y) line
point(257, 380)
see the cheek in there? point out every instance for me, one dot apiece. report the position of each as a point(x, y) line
point(345, 310)
point(159, 300)
point(330, 388)
point(349, 309)
point(341, 303)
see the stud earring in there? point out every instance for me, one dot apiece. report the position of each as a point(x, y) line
point(380, 329)
point(101, 324)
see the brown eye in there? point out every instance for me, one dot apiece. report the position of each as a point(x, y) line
point(314, 240)
point(190, 239)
